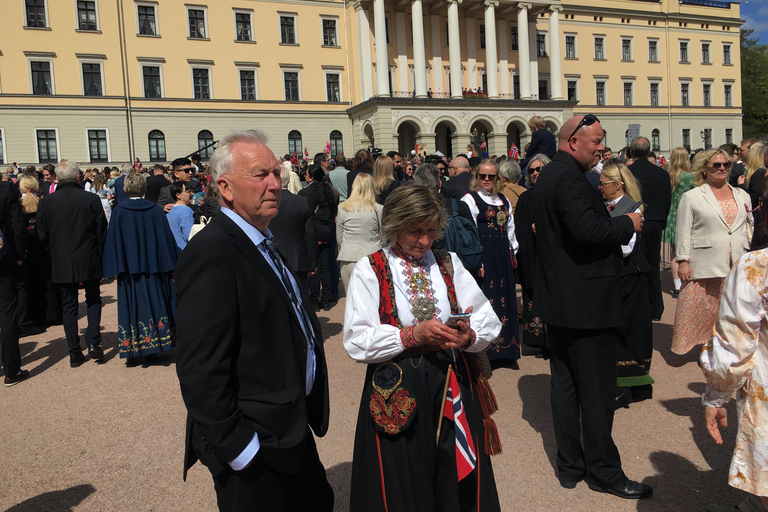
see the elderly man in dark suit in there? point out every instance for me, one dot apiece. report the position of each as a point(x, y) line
point(72, 225)
point(657, 195)
point(252, 373)
point(577, 289)
point(461, 177)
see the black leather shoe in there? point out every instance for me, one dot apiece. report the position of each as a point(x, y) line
point(96, 353)
point(628, 489)
point(570, 483)
point(76, 359)
point(623, 398)
point(640, 393)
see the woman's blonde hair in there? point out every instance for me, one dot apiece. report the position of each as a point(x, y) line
point(679, 162)
point(700, 165)
point(620, 173)
point(756, 159)
point(363, 196)
point(409, 205)
point(498, 186)
point(29, 187)
point(135, 185)
point(383, 169)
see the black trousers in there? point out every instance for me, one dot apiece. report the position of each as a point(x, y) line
point(258, 487)
point(583, 366)
point(651, 235)
point(9, 329)
point(93, 313)
point(324, 274)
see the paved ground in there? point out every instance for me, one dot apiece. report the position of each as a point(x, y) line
point(106, 437)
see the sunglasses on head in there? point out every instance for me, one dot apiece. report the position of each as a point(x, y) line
point(721, 165)
point(587, 120)
point(489, 177)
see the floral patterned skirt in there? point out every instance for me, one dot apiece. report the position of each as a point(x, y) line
point(146, 307)
point(696, 313)
point(499, 289)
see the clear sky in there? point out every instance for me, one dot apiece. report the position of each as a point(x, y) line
point(755, 12)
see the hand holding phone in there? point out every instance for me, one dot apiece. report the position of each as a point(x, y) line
point(453, 320)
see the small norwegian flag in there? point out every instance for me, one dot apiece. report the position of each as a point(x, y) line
point(466, 460)
point(306, 154)
point(514, 153)
point(484, 145)
point(295, 158)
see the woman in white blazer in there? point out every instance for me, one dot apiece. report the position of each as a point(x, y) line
point(358, 225)
point(712, 232)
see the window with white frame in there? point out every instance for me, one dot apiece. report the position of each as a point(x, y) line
point(706, 93)
point(93, 81)
point(655, 140)
point(541, 45)
point(198, 22)
point(36, 13)
point(728, 95)
point(337, 143)
point(333, 86)
point(684, 57)
point(329, 31)
point(729, 135)
point(243, 26)
point(205, 144)
point(599, 47)
point(156, 145)
point(292, 85)
point(86, 15)
point(570, 46)
point(572, 88)
point(655, 94)
point(653, 50)
point(685, 94)
point(706, 58)
point(288, 28)
point(629, 93)
point(686, 135)
point(600, 96)
point(248, 83)
point(146, 19)
point(41, 76)
point(98, 145)
point(513, 36)
point(481, 34)
point(47, 146)
point(727, 54)
point(626, 49)
point(201, 83)
point(294, 142)
point(153, 83)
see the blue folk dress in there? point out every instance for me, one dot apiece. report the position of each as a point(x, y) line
point(141, 251)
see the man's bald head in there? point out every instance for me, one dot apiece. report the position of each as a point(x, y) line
point(585, 145)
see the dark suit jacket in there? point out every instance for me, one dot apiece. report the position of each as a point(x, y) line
point(655, 189)
point(351, 178)
point(578, 250)
point(458, 186)
point(542, 141)
point(154, 185)
point(635, 263)
point(294, 230)
point(12, 224)
point(120, 194)
point(242, 370)
point(72, 225)
point(45, 187)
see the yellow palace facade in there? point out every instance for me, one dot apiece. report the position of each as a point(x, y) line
point(113, 80)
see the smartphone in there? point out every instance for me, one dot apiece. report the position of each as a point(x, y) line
point(452, 321)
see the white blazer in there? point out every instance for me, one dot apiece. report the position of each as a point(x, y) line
point(358, 233)
point(703, 238)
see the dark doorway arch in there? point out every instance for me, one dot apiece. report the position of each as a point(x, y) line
point(444, 132)
point(406, 137)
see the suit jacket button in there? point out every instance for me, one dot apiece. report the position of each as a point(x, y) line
point(303, 348)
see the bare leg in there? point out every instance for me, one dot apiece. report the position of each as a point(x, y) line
point(673, 264)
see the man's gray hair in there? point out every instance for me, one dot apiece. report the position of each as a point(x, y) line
point(510, 171)
point(222, 158)
point(640, 147)
point(285, 174)
point(67, 171)
point(128, 169)
point(427, 174)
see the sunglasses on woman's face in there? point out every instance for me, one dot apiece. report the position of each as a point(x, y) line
point(484, 177)
point(534, 169)
point(721, 165)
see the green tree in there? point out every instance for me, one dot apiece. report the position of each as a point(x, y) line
point(754, 86)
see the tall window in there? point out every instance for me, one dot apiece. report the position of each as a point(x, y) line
point(600, 94)
point(147, 20)
point(728, 95)
point(287, 29)
point(97, 145)
point(46, 146)
point(516, 86)
point(92, 85)
point(329, 33)
point(513, 37)
point(685, 98)
point(243, 26)
point(599, 48)
point(727, 54)
point(687, 138)
point(291, 79)
point(337, 145)
point(653, 50)
point(482, 36)
point(41, 78)
point(156, 145)
point(541, 45)
point(684, 52)
point(707, 138)
point(706, 91)
point(247, 84)
point(205, 144)
point(152, 88)
point(201, 84)
point(543, 88)
point(628, 96)
point(294, 142)
point(572, 88)
point(626, 49)
point(332, 89)
point(655, 140)
point(196, 23)
point(705, 58)
point(654, 94)
point(86, 15)
point(728, 137)
point(570, 47)
point(35, 13)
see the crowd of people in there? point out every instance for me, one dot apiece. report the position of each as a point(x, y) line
point(429, 252)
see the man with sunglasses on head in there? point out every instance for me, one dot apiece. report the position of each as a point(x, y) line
point(657, 195)
point(182, 170)
point(577, 290)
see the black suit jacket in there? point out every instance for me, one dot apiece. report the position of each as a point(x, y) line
point(12, 224)
point(542, 141)
point(654, 188)
point(578, 250)
point(294, 231)
point(242, 368)
point(458, 186)
point(72, 225)
point(351, 178)
point(154, 185)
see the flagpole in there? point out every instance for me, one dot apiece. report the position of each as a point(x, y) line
point(442, 407)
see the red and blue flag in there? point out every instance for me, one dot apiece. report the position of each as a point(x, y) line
point(466, 459)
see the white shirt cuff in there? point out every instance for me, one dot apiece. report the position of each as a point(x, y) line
point(247, 455)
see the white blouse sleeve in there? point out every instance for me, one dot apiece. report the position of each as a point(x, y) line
point(511, 230)
point(365, 338)
point(484, 321)
point(473, 209)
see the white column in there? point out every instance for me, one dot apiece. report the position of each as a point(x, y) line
point(364, 51)
point(454, 52)
point(380, 38)
point(523, 51)
point(402, 55)
point(419, 57)
point(471, 54)
point(491, 60)
point(437, 59)
point(555, 74)
point(534, 58)
point(502, 32)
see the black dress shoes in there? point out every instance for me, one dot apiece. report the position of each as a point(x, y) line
point(640, 393)
point(628, 489)
point(76, 359)
point(623, 398)
point(96, 353)
point(570, 483)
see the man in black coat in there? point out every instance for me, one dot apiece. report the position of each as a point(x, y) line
point(577, 290)
point(252, 373)
point(461, 177)
point(155, 183)
point(542, 141)
point(294, 231)
point(72, 226)
point(657, 196)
